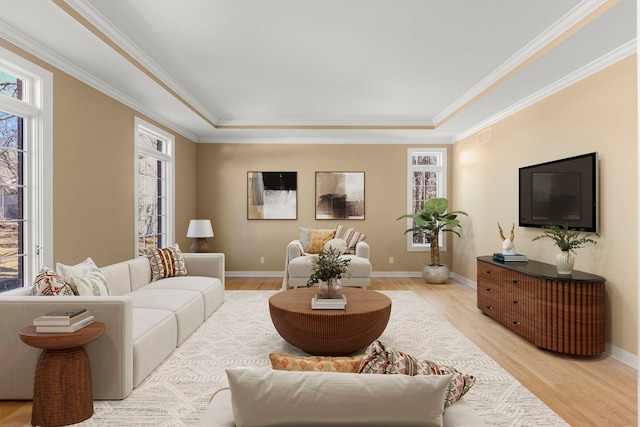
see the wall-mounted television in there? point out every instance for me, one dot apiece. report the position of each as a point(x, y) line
point(560, 192)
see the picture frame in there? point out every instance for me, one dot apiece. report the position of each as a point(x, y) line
point(340, 195)
point(272, 195)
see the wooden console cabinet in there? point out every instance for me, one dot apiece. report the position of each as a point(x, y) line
point(555, 312)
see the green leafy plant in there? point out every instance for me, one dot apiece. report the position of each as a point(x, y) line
point(328, 265)
point(433, 219)
point(566, 239)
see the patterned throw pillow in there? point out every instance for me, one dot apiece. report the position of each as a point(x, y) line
point(166, 262)
point(381, 359)
point(78, 270)
point(350, 236)
point(290, 362)
point(91, 284)
point(317, 239)
point(50, 284)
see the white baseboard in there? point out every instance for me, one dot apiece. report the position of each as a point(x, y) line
point(278, 273)
point(621, 355)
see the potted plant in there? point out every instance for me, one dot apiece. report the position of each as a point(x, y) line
point(430, 221)
point(327, 268)
point(567, 241)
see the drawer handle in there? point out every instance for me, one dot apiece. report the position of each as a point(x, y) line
point(488, 271)
point(515, 282)
point(515, 322)
point(488, 289)
point(515, 302)
point(489, 307)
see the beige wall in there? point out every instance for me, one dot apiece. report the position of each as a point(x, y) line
point(597, 114)
point(222, 196)
point(93, 200)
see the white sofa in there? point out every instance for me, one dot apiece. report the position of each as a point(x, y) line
point(357, 408)
point(298, 266)
point(145, 321)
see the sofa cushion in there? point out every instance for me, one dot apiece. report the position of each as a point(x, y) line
point(166, 262)
point(118, 278)
point(48, 283)
point(331, 398)
point(78, 270)
point(291, 362)
point(155, 333)
point(301, 266)
point(318, 238)
point(210, 287)
point(93, 283)
point(381, 359)
point(187, 306)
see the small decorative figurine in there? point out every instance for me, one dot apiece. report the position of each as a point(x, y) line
point(508, 248)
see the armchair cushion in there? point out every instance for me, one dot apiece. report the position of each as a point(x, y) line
point(318, 238)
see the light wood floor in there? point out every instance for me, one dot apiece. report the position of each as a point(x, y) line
point(585, 391)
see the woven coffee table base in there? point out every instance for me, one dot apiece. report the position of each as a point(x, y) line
point(62, 393)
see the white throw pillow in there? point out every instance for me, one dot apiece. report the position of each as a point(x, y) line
point(338, 244)
point(78, 270)
point(304, 399)
point(91, 284)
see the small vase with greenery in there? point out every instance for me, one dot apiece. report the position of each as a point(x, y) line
point(430, 221)
point(327, 268)
point(567, 241)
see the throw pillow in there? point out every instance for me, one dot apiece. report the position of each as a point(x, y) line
point(290, 362)
point(338, 244)
point(304, 238)
point(350, 236)
point(317, 239)
point(50, 284)
point(166, 262)
point(318, 399)
point(78, 270)
point(381, 359)
point(91, 284)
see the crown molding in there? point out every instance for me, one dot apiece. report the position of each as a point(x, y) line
point(329, 140)
point(153, 70)
point(571, 19)
point(588, 70)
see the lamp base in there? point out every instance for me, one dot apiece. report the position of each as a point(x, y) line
point(200, 245)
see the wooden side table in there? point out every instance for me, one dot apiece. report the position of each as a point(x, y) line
point(62, 392)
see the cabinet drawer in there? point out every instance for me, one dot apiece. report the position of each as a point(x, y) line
point(488, 273)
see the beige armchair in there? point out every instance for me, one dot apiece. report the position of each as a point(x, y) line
point(298, 266)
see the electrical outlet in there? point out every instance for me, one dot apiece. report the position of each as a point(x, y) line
point(261, 260)
point(391, 260)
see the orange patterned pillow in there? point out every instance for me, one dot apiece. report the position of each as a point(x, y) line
point(290, 362)
point(317, 239)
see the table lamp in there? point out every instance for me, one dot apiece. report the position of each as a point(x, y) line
point(200, 229)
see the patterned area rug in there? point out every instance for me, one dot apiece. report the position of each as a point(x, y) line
point(240, 332)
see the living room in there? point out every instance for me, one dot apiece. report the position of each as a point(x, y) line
point(93, 181)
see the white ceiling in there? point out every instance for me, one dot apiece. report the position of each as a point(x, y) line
point(325, 71)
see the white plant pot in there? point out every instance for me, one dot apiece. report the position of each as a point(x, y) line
point(435, 273)
point(564, 262)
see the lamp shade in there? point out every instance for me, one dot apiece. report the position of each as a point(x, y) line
point(200, 228)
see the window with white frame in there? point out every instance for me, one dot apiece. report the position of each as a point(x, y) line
point(426, 179)
point(154, 186)
point(26, 237)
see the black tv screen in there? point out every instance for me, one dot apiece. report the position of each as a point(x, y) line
point(560, 192)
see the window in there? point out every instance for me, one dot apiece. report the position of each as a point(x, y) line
point(426, 179)
point(154, 186)
point(26, 238)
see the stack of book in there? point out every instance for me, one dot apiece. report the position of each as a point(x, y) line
point(328, 302)
point(63, 321)
point(503, 258)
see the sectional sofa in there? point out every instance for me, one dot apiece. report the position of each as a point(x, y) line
point(145, 321)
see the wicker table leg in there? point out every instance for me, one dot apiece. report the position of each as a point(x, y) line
point(62, 392)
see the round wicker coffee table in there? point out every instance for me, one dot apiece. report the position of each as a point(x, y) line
point(330, 332)
point(62, 392)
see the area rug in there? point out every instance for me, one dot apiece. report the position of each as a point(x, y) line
point(240, 332)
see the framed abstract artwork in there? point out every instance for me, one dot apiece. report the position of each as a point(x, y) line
point(272, 195)
point(339, 195)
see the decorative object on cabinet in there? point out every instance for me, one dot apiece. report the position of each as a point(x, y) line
point(199, 230)
point(430, 221)
point(555, 312)
point(339, 195)
point(272, 195)
point(508, 248)
point(567, 241)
